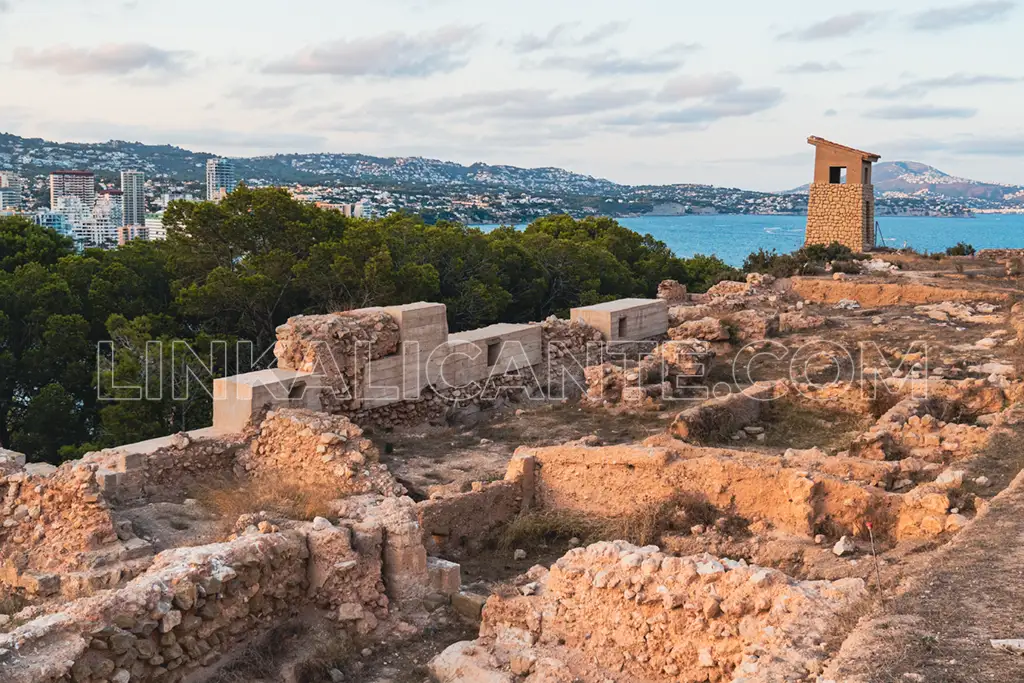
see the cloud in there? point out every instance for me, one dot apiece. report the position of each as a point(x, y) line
point(722, 98)
point(689, 87)
point(389, 55)
point(813, 68)
point(1000, 146)
point(114, 59)
point(476, 108)
point(921, 87)
point(272, 97)
point(926, 111)
point(611, 63)
point(5, 6)
point(603, 32)
point(831, 112)
point(956, 16)
point(561, 36)
point(833, 27)
point(534, 42)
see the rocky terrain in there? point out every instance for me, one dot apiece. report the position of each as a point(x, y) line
point(808, 479)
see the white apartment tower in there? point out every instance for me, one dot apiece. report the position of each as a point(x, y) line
point(10, 190)
point(81, 184)
point(133, 197)
point(220, 179)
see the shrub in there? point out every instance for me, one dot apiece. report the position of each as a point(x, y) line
point(961, 249)
point(771, 263)
point(848, 267)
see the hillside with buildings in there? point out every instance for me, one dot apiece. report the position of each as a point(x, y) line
point(125, 186)
point(895, 180)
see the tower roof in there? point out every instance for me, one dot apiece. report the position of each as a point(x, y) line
point(822, 142)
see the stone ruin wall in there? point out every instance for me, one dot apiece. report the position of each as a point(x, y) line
point(317, 450)
point(801, 495)
point(191, 609)
point(165, 469)
point(843, 214)
point(654, 617)
point(358, 353)
point(50, 525)
point(464, 522)
point(871, 294)
point(337, 347)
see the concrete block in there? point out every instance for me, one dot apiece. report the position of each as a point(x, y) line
point(469, 605)
point(237, 399)
point(107, 481)
point(127, 462)
point(445, 576)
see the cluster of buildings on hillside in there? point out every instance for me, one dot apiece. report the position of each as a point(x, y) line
point(103, 217)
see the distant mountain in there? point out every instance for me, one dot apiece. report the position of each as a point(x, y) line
point(914, 179)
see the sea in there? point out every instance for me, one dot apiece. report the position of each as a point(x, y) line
point(732, 237)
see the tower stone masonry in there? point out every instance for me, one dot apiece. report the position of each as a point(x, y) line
point(841, 206)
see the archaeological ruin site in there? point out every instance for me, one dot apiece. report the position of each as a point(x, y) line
point(801, 479)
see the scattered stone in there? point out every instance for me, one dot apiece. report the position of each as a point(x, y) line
point(469, 605)
point(1013, 646)
point(843, 547)
point(519, 554)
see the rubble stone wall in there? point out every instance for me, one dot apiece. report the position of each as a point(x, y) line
point(336, 347)
point(465, 521)
point(165, 469)
point(870, 294)
point(397, 366)
point(723, 416)
point(50, 523)
point(796, 494)
point(843, 213)
point(188, 611)
point(315, 449)
point(661, 618)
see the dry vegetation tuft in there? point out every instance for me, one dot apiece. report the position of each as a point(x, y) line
point(231, 498)
point(792, 424)
point(262, 658)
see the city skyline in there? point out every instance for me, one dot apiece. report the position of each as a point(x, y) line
point(716, 94)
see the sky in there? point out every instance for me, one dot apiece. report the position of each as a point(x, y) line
point(639, 92)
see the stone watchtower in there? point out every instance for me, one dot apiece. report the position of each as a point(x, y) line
point(841, 207)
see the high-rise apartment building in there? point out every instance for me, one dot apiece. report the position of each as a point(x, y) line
point(10, 198)
point(11, 186)
point(133, 197)
point(220, 179)
point(81, 184)
point(155, 229)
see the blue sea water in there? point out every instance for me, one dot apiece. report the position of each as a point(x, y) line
point(732, 237)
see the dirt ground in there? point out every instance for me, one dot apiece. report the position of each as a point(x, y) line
point(424, 458)
point(969, 592)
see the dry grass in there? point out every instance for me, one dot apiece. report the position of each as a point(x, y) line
point(261, 659)
point(231, 498)
point(643, 526)
point(328, 650)
point(794, 425)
